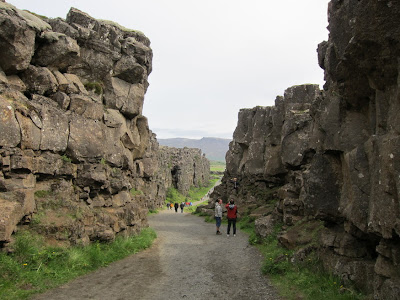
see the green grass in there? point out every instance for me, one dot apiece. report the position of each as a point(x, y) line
point(174, 196)
point(96, 87)
point(192, 209)
point(42, 193)
point(195, 193)
point(298, 280)
point(135, 192)
point(34, 267)
point(66, 158)
point(217, 166)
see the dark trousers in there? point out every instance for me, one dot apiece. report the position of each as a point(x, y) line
point(233, 223)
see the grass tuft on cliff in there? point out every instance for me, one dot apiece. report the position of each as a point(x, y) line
point(33, 267)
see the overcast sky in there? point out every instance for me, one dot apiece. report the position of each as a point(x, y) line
point(213, 57)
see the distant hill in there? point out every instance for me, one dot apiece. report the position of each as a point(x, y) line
point(214, 148)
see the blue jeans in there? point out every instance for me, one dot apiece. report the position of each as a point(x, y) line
point(218, 221)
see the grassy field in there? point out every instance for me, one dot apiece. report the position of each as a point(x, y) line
point(217, 166)
point(34, 267)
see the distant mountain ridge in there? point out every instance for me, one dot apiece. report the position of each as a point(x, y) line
point(214, 148)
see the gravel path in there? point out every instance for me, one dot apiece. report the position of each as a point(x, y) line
point(187, 261)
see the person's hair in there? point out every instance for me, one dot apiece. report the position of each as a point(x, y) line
point(231, 202)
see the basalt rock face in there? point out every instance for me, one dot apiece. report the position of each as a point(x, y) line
point(332, 157)
point(77, 160)
point(183, 168)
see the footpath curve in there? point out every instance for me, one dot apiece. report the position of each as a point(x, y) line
point(187, 261)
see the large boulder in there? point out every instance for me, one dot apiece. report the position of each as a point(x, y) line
point(39, 80)
point(126, 97)
point(9, 126)
point(17, 40)
point(86, 139)
point(56, 50)
point(30, 133)
point(14, 205)
point(129, 70)
point(55, 128)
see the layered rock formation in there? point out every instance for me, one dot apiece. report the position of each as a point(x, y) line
point(78, 161)
point(331, 158)
point(185, 168)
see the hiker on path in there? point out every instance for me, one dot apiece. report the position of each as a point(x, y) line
point(182, 206)
point(176, 206)
point(232, 216)
point(218, 215)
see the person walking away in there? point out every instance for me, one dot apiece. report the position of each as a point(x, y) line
point(182, 206)
point(232, 216)
point(176, 206)
point(218, 215)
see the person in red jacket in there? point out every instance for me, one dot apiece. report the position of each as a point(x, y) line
point(232, 216)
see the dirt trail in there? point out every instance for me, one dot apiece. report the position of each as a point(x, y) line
point(187, 261)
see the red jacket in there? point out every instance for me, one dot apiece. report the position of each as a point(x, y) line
point(232, 212)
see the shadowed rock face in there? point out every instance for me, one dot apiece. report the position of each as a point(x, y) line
point(333, 155)
point(77, 159)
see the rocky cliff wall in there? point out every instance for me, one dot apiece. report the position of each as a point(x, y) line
point(331, 157)
point(183, 168)
point(77, 160)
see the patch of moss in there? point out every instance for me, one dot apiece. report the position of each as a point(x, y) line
point(97, 87)
point(36, 15)
point(66, 158)
point(135, 192)
point(42, 193)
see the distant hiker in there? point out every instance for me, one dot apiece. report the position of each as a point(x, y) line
point(182, 206)
point(172, 205)
point(169, 205)
point(232, 216)
point(235, 183)
point(218, 215)
point(176, 206)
